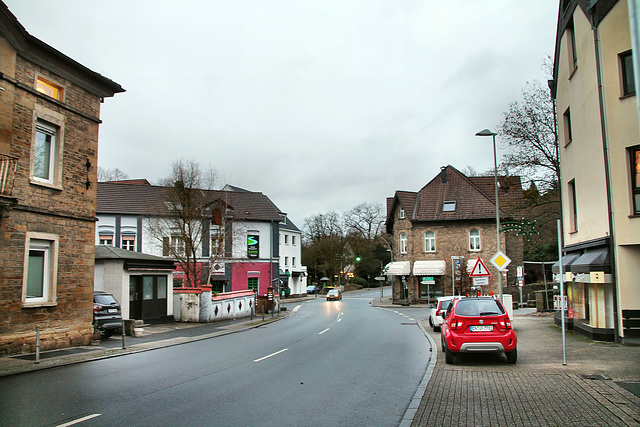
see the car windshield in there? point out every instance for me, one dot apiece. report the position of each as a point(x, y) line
point(479, 307)
point(445, 304)
point(105, 299)
point(334, 291)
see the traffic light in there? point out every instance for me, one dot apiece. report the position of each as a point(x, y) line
point(358, 258)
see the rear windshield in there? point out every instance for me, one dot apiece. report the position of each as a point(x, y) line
point(104, 299)
point(479, 307)
point(445, 304)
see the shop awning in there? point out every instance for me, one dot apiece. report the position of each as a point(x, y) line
point(429, 268)
point(593, 260)
point(398, 268)
point(567, 260)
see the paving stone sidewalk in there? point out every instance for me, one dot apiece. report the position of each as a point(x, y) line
point(539, 390)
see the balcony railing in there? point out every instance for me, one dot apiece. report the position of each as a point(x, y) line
point(8, 166)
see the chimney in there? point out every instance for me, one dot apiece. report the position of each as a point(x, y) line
point(443, 174)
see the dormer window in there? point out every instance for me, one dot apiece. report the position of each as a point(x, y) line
point(402, 213)
point(449, 206)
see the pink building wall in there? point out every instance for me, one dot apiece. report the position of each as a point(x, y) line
point(245, 270)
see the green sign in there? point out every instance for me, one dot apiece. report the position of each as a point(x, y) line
point(253, 246)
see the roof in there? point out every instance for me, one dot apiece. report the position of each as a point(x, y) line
point(40, 53)
point(148, 200)
point(110, 252)
point(474, 198)
point(289, 226)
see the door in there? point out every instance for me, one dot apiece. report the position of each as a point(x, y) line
point(147, 297)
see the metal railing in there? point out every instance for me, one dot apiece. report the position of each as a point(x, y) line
point(8, 166)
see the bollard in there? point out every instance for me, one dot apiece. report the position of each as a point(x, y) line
point(124, 341)
point(37, 343)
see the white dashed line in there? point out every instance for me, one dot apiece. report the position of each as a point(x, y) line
point(271, 355)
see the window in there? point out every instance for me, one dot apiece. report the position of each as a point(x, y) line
point(286, 239)
point(106, 240)
point(573, 207)
point(429, 241)
point(566, 121)
point(449, 207)
point(217, 242)
point(252, 284)
point(286, 261)
point(401, 213)
point(129, 243)
point(293, 261)
point(48, 88)
point(47, 143)
point(44, 152)
point(626, 71)
point(177, 246)
point(474, 240)
point(572, 51)
point(403, 243)
point(40, 270)
point(293, 240)
point(635, 178)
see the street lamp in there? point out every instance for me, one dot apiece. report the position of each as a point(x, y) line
point(487, 132)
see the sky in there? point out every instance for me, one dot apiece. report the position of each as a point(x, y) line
point(320, 104)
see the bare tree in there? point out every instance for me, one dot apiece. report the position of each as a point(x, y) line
point(114, 174)
point(184, 221)
point(529, 132)
point(365, 220)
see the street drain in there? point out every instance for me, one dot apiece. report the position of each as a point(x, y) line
point(595, 377)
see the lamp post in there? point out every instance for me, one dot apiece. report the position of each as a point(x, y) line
point(487, 132)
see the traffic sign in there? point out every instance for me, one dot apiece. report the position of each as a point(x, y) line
point(500, 260)
point(479, 269)
point(481, 281)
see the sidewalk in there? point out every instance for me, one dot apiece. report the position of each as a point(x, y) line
point(154, 336)
point(595, 388)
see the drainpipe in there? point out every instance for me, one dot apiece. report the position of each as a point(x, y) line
point(607, 176)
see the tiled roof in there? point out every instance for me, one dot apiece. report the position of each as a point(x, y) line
point(136, 199)
point(473, 197)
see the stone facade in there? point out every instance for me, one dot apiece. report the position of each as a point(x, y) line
point(59, 211)
point(451, 231)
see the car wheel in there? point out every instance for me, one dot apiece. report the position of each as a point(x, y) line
point(512, 356)
point(106, 334)
point(431, 323)
point(442, 344)
point(448, 356)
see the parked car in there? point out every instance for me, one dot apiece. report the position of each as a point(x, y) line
point(107, 314)
point(478, 325)
point(311, 289)
point(334, 294)
point(436, 316)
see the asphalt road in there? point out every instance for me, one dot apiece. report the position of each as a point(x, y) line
point(329, 363)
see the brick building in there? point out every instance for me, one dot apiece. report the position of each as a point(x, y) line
point(49, 118)
point(445, 227)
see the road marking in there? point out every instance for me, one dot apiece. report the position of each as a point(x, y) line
point(339, 320)
point(296, 308)
point(79, 420)
point(271, 355)
point(320, 333)
point(410, 318)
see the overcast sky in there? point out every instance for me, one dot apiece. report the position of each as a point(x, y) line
point(319, 104)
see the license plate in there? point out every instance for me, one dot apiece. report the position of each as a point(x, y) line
point(112, 310)
point(481, 328)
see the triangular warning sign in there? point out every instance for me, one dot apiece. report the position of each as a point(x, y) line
point(480, 269)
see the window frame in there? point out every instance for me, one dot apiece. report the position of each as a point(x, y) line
point(627, 77)
point(128, 242)
point(566, 124)
point(54, 91)
point(49, 244)
point(403, 243)
point(105, 239)
point(251, 286)
point(450, 204)
point(402, 216)
point(634, 175)
point(427, 239)
point(572, 51)
point(49, 122)
point(477, 239)
point(573, 206)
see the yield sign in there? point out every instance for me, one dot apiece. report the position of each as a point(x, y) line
point(480, 269)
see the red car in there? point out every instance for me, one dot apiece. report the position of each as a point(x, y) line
point(478, 325)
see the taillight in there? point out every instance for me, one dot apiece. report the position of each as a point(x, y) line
point(96, 308)
point(437, 312)
point(505, 324)
point(456, 324)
